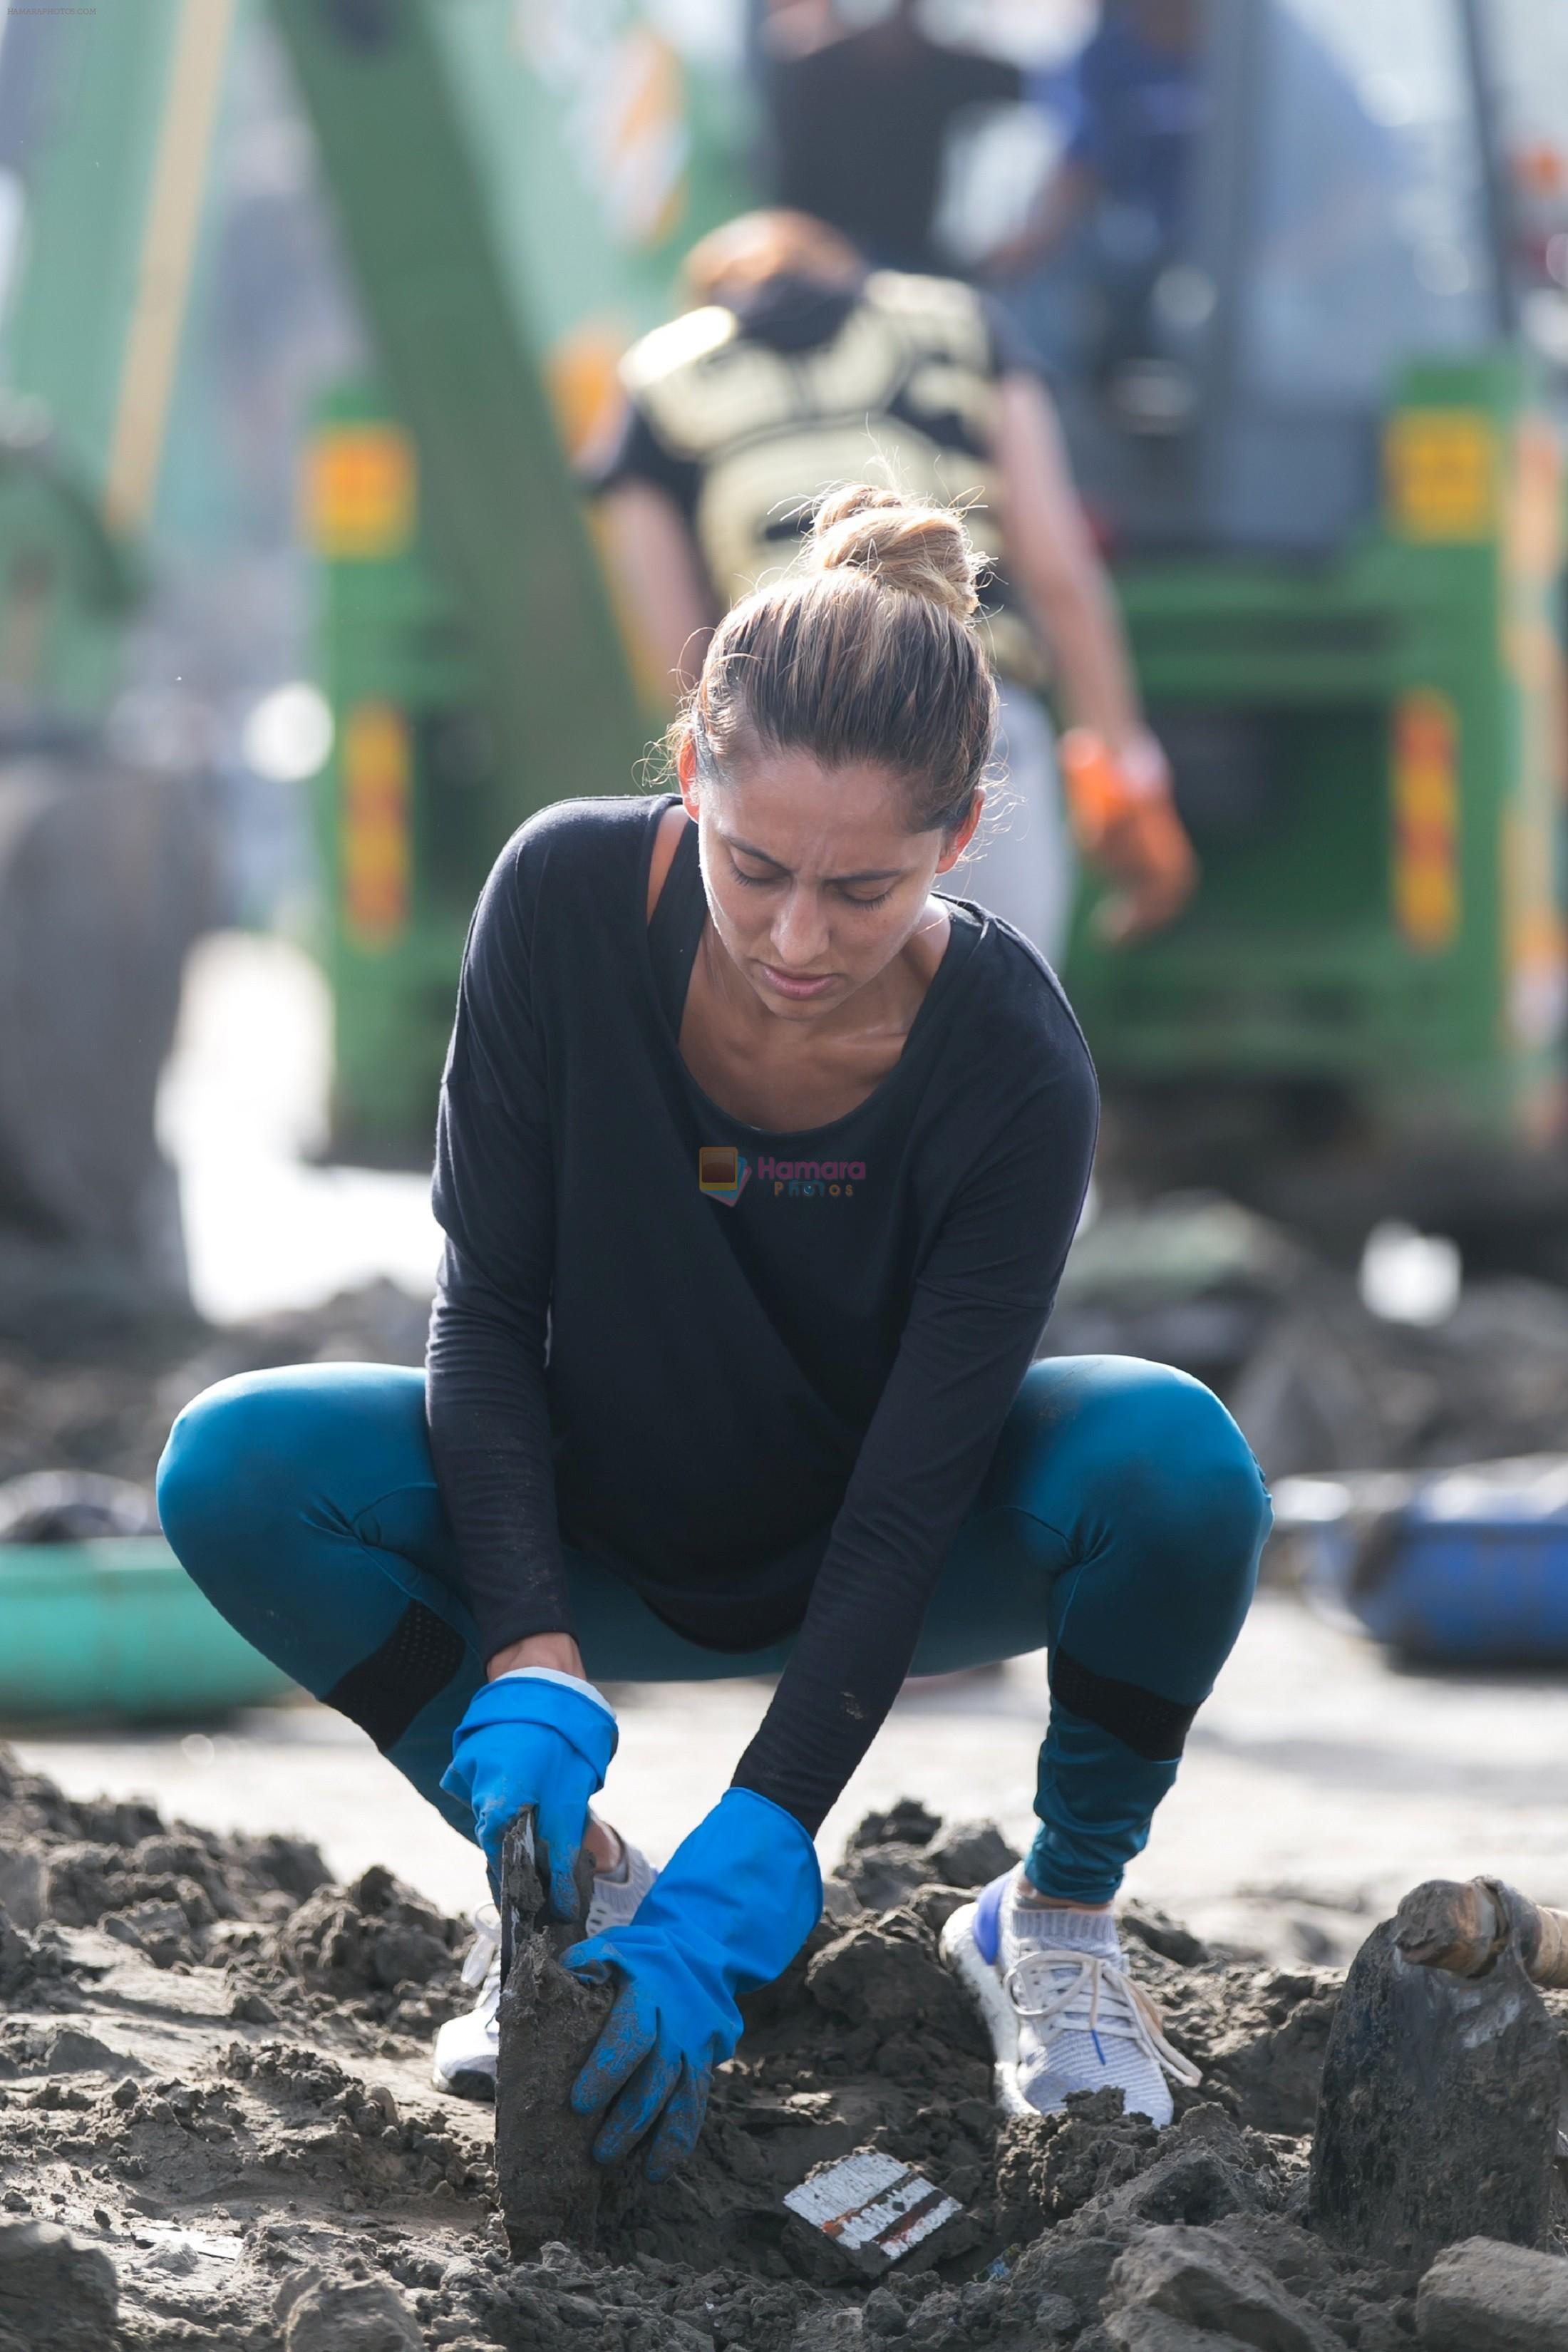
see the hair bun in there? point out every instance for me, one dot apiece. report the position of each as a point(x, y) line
point(924, 551)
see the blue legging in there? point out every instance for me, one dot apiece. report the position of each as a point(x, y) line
point(1119, 1525)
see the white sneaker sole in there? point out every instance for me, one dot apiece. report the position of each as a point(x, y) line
point(960, 1953)
point(467, 2083)
point(464, 2073)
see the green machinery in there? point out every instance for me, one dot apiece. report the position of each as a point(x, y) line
point(1331, 477)
point(515, 187)
point(1311, 426)
point(566, 160)
point(105, 125)
point(1364, 1006)
point(1312, 414)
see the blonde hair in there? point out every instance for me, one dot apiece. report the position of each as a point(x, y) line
point(865, 651)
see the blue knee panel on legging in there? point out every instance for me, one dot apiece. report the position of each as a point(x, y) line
point(1119, 1524)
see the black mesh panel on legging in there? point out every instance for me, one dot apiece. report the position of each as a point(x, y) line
point(1150, 1726)
point(385, 1691)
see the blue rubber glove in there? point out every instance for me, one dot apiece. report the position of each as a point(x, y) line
point(729, 1912)
point(533, 1738)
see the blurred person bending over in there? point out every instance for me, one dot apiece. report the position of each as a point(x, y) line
point(799, 369)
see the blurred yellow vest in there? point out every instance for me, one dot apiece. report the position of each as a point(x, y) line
point(903, 395)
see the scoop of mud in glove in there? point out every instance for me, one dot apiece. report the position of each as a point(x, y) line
point(546, 2021)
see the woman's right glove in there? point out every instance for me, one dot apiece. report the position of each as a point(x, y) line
point(538, 1738)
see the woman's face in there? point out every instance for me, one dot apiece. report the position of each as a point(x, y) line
point(814, 884)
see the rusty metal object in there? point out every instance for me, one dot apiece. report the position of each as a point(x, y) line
point(1462, 1925)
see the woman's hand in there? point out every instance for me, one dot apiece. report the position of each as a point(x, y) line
point(729, 1912)
point(1124, 818)
point(537, 1737)
point(559, 1651)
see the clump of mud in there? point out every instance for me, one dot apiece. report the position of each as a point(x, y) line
point(217, 2125)
point(86, 1388)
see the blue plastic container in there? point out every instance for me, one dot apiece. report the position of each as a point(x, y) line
point(1463, 1567)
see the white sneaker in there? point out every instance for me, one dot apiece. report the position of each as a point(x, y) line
point(464, 2061)
point(1061, 2010)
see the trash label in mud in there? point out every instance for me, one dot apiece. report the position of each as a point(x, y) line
point(871, 2209)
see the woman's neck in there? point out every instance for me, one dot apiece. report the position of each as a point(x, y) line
point(785, 1075)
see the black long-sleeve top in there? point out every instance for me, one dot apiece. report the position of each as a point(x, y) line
point(763, 1390)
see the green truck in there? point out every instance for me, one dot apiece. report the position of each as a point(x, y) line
point(1317, 427)
point(1316, 418)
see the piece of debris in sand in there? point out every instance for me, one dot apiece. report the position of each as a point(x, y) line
point(868, 2211)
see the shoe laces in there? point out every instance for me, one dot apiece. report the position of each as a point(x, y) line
point(483, 1956)
point(1095, 1996)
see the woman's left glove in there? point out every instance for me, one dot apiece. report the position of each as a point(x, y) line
point(728, 1913)
point(533, 1738)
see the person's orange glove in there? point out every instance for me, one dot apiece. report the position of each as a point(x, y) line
point(1124, 821)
